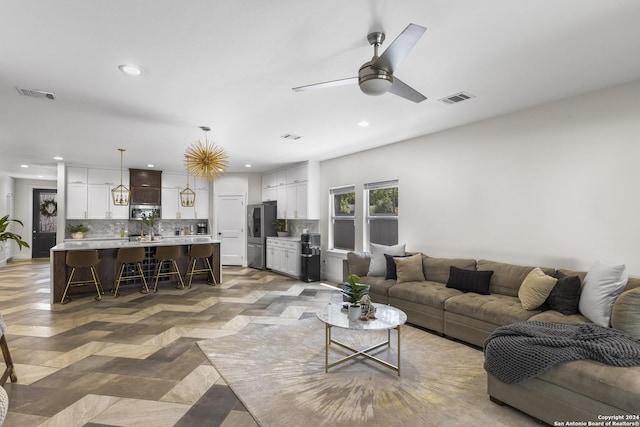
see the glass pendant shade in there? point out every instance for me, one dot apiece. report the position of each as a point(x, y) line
point(120, 194)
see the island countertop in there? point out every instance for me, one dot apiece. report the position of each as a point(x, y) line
point(108, 267)
point(119, 243)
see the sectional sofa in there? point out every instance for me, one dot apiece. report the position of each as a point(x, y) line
point(580, 390)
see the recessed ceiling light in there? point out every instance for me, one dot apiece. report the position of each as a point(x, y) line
point(150, 165)
point(58, 158)
point(24, 166)
point(130, 69)
point(363, 124)
point(247, 165)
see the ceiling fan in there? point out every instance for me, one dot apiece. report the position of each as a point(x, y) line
point(376, 77)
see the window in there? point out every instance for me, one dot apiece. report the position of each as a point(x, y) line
point(381, 200)
point(343, 230)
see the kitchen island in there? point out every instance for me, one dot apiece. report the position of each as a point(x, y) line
point(108, 266)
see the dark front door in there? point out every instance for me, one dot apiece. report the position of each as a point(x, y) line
point(45, 215)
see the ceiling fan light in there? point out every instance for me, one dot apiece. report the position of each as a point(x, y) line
point(376, 86)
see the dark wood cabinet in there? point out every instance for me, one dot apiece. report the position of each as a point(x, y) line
point(146, 187)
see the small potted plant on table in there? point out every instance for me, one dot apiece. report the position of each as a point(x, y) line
point(353, 292)
point(281, 227)
point(77, 230)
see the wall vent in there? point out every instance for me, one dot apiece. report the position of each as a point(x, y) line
point(290, 136)
point(458, 97)
point(32, 93)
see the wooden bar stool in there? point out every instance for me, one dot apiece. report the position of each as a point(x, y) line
point(170, 254)
point(130, 256)
point(200, 252)
point(83, 259)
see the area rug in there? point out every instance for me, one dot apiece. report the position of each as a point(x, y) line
point(278, 373)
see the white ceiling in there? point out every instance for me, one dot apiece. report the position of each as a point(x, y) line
point(230, 65)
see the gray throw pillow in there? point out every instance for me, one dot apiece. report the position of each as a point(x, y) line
point(378, 264)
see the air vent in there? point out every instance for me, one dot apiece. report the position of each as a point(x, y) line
point(458, 97)
point(290, 136)
point(41, 94)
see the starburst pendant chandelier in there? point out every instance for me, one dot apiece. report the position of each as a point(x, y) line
point(120, 194)
point(205, 160)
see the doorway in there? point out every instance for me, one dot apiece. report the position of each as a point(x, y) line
point(230, 214)
point(45, 215)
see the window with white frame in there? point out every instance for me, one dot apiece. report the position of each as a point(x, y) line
point(381, 202)
point(343, 230)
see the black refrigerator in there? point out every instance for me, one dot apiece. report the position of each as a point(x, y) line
point(261, 223)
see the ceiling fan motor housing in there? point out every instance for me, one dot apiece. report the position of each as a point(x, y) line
point(374, 81)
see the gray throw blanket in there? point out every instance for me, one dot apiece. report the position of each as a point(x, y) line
point(523, 350)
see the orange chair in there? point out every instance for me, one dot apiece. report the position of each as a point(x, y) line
point(130, 256)
point(203, 252)
point(83, 259)
point(170, 254)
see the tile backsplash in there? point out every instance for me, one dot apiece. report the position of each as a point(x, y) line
point(111, 228)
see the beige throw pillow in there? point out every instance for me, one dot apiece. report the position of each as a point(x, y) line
point(626, 313)
point(535, 289)
point(409, 269)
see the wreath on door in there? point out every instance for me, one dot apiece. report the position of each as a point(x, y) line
point(49, 208)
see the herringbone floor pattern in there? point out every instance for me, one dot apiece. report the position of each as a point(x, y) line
point(133, 360)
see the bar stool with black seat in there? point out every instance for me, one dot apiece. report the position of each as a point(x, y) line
point(86, 258)
point(170, 254)
point(203, 252)
point(134, 257)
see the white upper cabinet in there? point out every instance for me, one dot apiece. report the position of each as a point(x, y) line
point(172, 208)
point(296, 190)
point(76, 175)
point(108, 177)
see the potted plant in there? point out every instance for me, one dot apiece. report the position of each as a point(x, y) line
point(7, 235)
point(353, 291)
point(281, 227)
point(77, 230)
point(150, 221)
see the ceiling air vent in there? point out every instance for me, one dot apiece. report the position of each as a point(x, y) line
point(458, 97)
point(290, 136)
point(41, 94)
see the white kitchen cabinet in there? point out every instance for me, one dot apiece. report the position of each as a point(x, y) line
point(283, 256)
point(76, 175)
point(296, 191)
point(201, 208)
point(108, 177)
point(100, 203)
point(77, 201)
point(171, 206)
point(171, 203)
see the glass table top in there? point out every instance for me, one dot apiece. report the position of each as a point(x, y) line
point(387, 317)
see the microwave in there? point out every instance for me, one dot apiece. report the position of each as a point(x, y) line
point(139, 211)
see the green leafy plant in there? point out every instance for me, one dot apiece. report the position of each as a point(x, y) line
point(7, 235)
point(77, 228)
point(353, 290)
point(281, 225)
point(151, 219)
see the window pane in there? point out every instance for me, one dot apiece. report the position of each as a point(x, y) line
point(344, 204)
point(344, 234)
point(383, 201)
point(383, 231)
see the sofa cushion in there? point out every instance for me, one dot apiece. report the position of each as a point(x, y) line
point(565, 295)
point(358, 263)
point(507, 278)
point(602, 285)
point(432, 294)
point(378, 264)
point(625, 315)
point(409, 268)
point(556, 316)
point(437, 269)
point(495, 308)
point(378, 286)
point(535, 289)
point(469, 280)
point(392, 272)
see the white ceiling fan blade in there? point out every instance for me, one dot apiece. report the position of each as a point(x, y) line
point(402, 89)
point(400, 47)
point(332, 83)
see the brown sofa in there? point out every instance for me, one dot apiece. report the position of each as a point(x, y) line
point(571, 391)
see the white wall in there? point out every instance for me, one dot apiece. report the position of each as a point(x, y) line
point(24, 210)
point(555, 185)
point(6, 191)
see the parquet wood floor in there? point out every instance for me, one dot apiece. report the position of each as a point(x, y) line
point(133, 360)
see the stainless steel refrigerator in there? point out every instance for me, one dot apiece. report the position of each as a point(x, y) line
point(261, 223)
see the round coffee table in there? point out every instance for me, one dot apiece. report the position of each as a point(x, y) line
point(387, 318)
